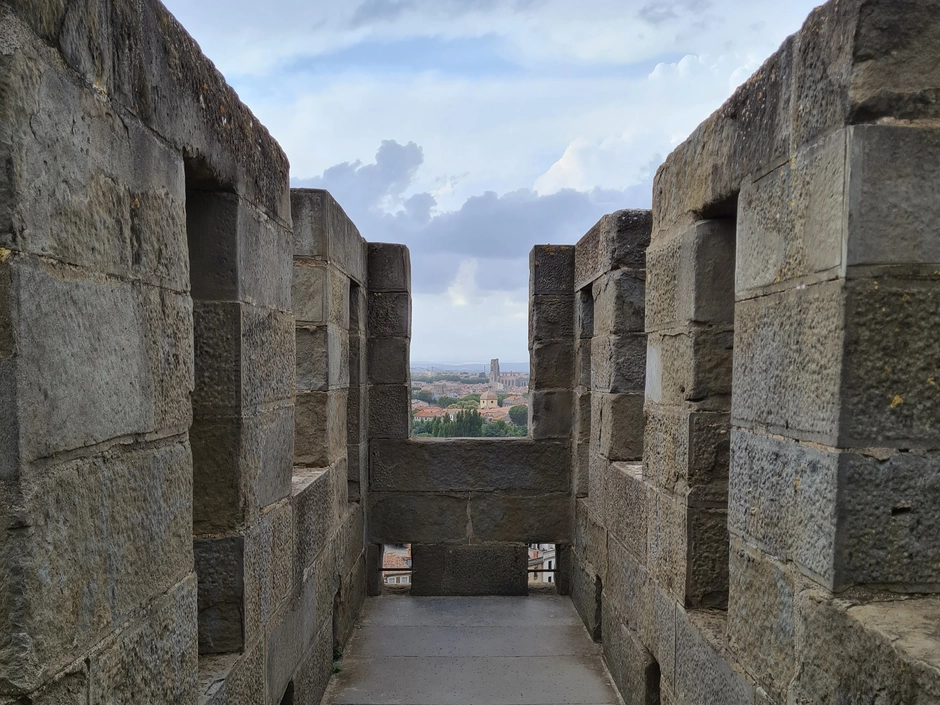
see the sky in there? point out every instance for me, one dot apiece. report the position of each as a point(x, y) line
point(471, 130)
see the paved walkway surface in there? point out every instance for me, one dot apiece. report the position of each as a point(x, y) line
point(471, 651)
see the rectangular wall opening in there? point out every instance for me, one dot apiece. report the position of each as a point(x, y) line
point(214, 436)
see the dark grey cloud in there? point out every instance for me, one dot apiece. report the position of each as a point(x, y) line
point(498, 230)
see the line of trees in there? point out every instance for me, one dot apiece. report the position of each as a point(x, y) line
point(466, 424)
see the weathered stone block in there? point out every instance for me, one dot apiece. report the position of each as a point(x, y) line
point(82, 360)
point(632, 666)
point(705, 670)
point(524, 518)
point(313, 515)
point(267, 356)
point(217, 332)
point(627, 497)
point(617, 425)
point(456, 570)
point(590, 538)
point(690, 366)
point(389, 315)
point(551, 317)
point(310, 292)
point(358, 369)
point(788, 361)
point(707, 556)
point(687, 451)
point(582, 420)
point(889, 387)
point(357, 416)
point(628, 589)
point(584, 325)
point(582, 363)
point(618, 363)
point(761, 623)
point(168, 321)
point(268, 575)
point(551, 364)
point(264, 259)
point(389, 411)
point(389, 267)
point(893, 173)
point(292, 633)
point(228, 679)
point(618, 240)
point(668, 544)
point(400, 517)
point(580, 470)
point(550, 414)
point(323, 356)
point(598, 467)
point(620, 302)
point(323, 231)
point(586, 589)
point(105, 535)
point(320, 427)
point(441, 465)
point(551, 270)
point(220, 572)
point(791, 222)
point(313, 673)
point(690, 277)
point(154, 659)
point(388, 361)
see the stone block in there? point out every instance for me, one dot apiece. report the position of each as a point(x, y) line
point(668, 544)
point(523, 518)
point(320, 427)
point(388, 361)
point(620, 302)
point(662, 641)
point(618, 363)
point(551, 270)
point(168, 321)
point(401, 517)
point(791, 222)
point(217, 333)
point(705, 671)
point(264, 259)
point(632, 667)
point(628, 590)
point(582, 419)
point(389, 314)
point(310, 292)
point(478, 464)
point(469, 570)
point(586, 589)
point(290, 635)
point(220, 565)
point(389, 411)
point(627, 498)
point(551, 364)
point(389, 268)
point(580, 470)
point(893, 173)
point(67, 688)
point(357, 416)
point(268, 362)
point(690, 277)
point(323, 231)
point(598, 467)
point(889, 384)
point(228, 679)
point(269, 573)
point(313, 674)
point(761, 622)
point(154, 658)
point(849, 651)
point(313, 515)
point(105, 536)
point(617, 425)
point(687, 452)
point(551, 317)
point(618, 240)
point(357, 463)
point(582, 363)
point(788, 361)
point(357, 360)
point(584, 324)
point(590, 539)
point(707, 556)
point(323, 358)
point(82, 360)
point(692, 366)
point(550, 414)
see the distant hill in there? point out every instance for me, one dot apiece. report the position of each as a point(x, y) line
point(418, 365)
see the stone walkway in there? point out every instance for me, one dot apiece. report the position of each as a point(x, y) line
point(471, 651)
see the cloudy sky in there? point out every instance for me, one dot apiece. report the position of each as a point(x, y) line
point(471, 130)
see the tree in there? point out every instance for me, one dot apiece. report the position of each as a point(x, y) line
point(519, 415)
point(472, 397)
point(500, 397)
point(444, 402)
point(423, 395)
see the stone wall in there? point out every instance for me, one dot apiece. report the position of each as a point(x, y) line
point(779, 541)
point(160, 543)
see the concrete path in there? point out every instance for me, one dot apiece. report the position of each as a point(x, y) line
point(471, 651)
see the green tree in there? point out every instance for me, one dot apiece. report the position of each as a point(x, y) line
point(444, 402)
point(423, 395)
point(519, 415)
point(500, 397)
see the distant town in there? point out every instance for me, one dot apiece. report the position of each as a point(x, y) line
point(463, 404)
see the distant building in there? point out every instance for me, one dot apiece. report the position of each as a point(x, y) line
point(489, 400)
point(542, 562)
point(396, 566)
point(494, 374)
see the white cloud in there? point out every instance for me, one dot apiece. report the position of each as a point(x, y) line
point(464, 286)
